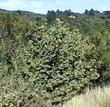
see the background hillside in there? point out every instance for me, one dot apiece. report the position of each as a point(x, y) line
point(27, 14)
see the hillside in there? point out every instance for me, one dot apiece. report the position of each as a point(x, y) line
point(28, 14)
point(46, 60)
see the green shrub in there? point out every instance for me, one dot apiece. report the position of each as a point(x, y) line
point(21, 99)
point(15, 92)
point(58, 62)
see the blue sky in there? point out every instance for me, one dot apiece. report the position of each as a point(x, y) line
point(42, 6)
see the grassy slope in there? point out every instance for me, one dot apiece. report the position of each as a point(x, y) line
point(99, 97)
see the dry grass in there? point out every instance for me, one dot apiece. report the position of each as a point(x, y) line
point(99, 97)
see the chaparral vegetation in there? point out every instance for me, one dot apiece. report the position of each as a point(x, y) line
point(46, 60)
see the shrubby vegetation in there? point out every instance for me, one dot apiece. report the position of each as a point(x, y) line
point(52, 58)
point(94, 25)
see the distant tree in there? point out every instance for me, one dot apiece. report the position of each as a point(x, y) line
point(51, 16)
point(92, 12)
point(107, 14)
point(68, 12)
point(86, 12)
point(58, 12)
point(97, 12)
point(19, 12)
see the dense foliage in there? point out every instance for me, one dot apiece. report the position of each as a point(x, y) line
point(94, 25)
point(50, 59)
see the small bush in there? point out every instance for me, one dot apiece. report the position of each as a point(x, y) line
point(14, 93)
point(21, 100)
